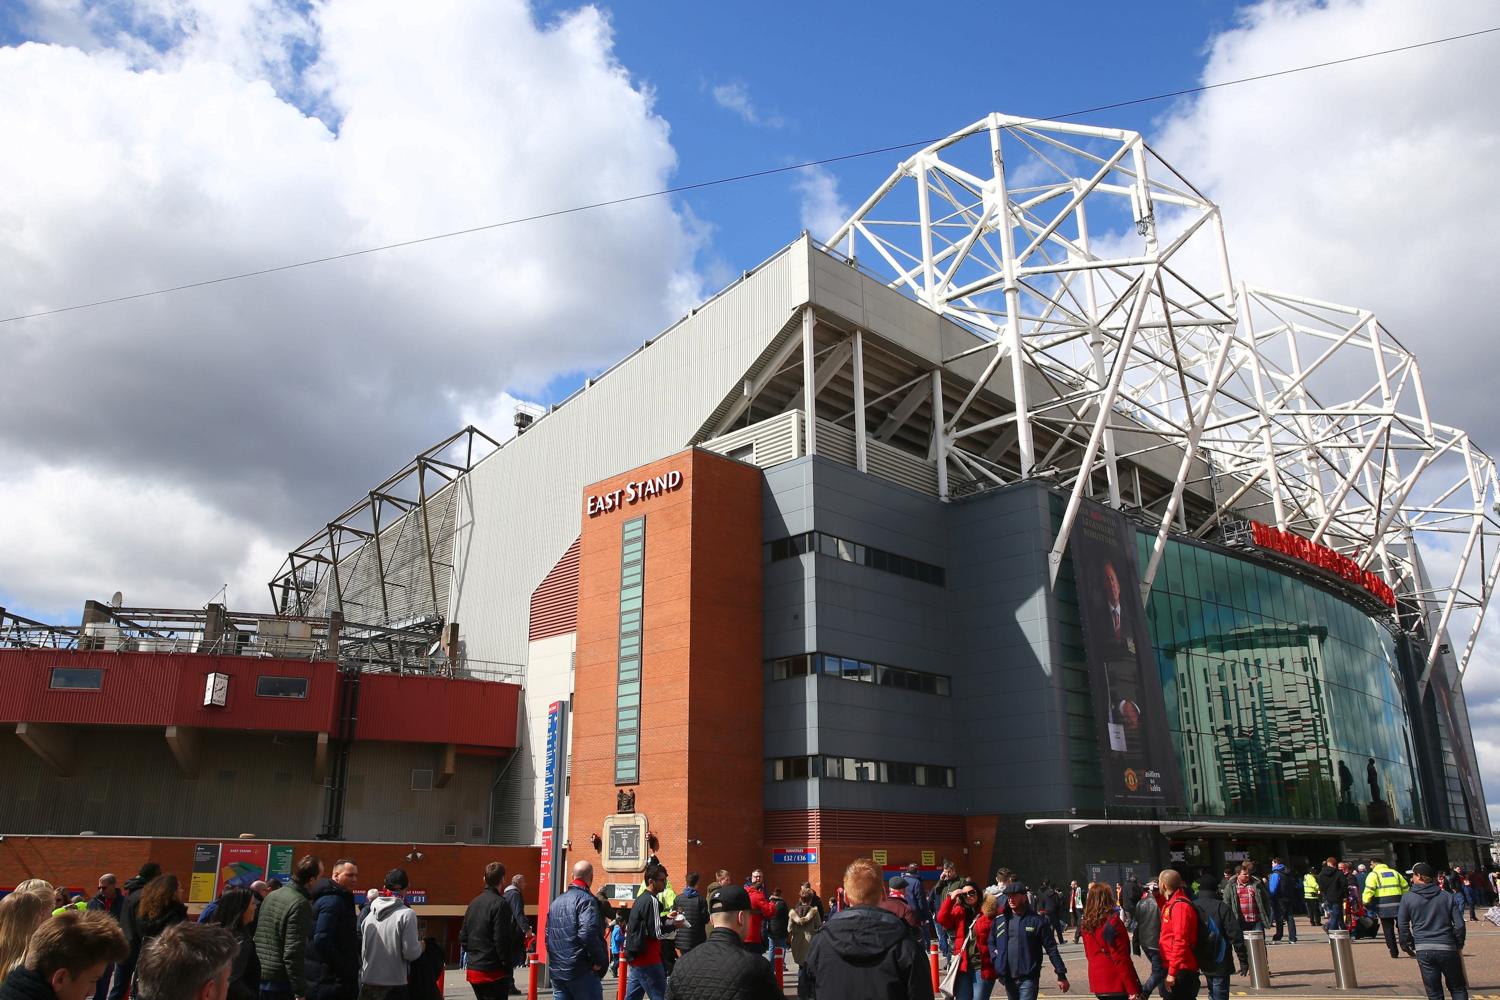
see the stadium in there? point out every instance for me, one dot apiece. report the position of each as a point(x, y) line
point(1010, 526)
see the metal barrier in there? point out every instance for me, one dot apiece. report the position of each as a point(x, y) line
point(1260, 962)
point(1343, 961)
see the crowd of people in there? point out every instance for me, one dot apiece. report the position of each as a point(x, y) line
point(315, 938)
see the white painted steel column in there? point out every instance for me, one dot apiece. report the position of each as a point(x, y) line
point(1096, 345)
point(861, 448)
point(1012, 306)
point(939, 436)
point(809, 385)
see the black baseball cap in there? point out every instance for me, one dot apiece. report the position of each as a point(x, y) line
point(728, 899)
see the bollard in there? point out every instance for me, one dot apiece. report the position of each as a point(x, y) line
point(533, 974)
point(1343, 961)
point(1260, 963)
point(779, 965)
point(624, 974)
point(932, 960)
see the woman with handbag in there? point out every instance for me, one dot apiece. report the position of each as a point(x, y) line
point(959, 915)
point(1106, 945)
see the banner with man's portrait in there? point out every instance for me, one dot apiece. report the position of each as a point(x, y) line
point(1139, 766)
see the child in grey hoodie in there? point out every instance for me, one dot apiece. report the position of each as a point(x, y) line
point(388, 941)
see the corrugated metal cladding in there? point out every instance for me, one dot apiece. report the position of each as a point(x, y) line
point(800, 826)
point(163, 689)
point(525, 501)
point(418, 709)
point(554, 604)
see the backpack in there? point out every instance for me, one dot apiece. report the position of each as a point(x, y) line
point(1212, 948)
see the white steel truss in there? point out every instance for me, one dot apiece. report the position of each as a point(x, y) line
point(1078, 255)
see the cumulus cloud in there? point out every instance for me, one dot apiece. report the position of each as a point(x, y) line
point(1367, 183)
point(173, 140)
point(821, 208)
point(735, 96)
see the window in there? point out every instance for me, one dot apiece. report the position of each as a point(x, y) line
point(843, 667)
point(421, 781)
point(77, 678)
point(628, 666)
point(281, 687)
point(885, 772)
point(846, 551)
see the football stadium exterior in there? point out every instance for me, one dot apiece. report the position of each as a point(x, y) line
point(1016, 529)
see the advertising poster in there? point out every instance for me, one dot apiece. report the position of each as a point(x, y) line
point(1139, 767)
point(205, 878)
point(240, 864)
point(548, 886)
point(280, 864)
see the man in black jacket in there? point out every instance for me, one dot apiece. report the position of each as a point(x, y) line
point(488, 936)
point(133, 886)
point(1217, 969)
point(694, 910)
point(863, 951)
point(720, 968)
point(1333, 888)
point(332, 963)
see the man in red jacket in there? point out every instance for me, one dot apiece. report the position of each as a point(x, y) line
point(761, 907)
point(1179, 937)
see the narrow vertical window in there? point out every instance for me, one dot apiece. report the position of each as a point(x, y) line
point(628, 678)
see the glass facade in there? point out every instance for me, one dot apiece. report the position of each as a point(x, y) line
point(1284, 701)
point(628, 674)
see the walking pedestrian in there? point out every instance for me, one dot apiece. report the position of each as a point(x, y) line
point(1018, 939)
point(1381, 895)
point(110, 901)
point(895, 902)
point(760, 911)
point(1279, 887)
point(1179, 937)
point(777, 925)
point(125, 971)
point(1221, 921)
point(1252, 901)
point(947, 879)
point(694, 910)
point(721, 968)
point(1147, 920)
point(863, 951)
point(1106, 948)
point(388, 941)
point(1468, 889)
point(643, 934)
point(21, 913)
point(160, 907)
point(1079, 901)
point(236, 914)
point(1311, 897)
point(1432, 928)
point(804, 921)
point(281, 933)
point(1333, 892)
point(333, 956)
point(575, 940)
point(189, 961)
point(489, 936)
point(958, 913)
point(65, 957)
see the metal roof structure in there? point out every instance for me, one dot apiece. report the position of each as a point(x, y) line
point(1079, 251)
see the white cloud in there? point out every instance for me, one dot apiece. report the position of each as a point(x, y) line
point(821, 208)
point(735, 96)
point(170, 140)
point(1368, 183)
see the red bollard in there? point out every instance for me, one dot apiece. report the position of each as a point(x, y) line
point(932, 960)
point(624, 972)
point(533, 974)
point(779, 964)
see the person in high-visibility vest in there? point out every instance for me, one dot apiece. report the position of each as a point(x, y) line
point(1384, 888)
point(1312, 897)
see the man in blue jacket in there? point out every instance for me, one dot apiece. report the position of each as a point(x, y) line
point(1431, 924)
point(576, 956)
point(1018, 937)
point(1280, 887)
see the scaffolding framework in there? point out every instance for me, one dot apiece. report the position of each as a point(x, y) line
point(1079, 254)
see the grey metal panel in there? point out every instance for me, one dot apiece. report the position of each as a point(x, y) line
point(382, 805)
point(524, 506)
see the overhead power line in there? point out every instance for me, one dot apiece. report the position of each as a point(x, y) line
point(735, 179)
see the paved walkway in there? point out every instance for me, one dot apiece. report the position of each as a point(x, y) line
point(1304, 970)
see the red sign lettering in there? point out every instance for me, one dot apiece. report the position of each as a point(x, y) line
point(1322, 557)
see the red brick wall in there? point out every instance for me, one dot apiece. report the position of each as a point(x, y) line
point(450, 873)
point(701, 657)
